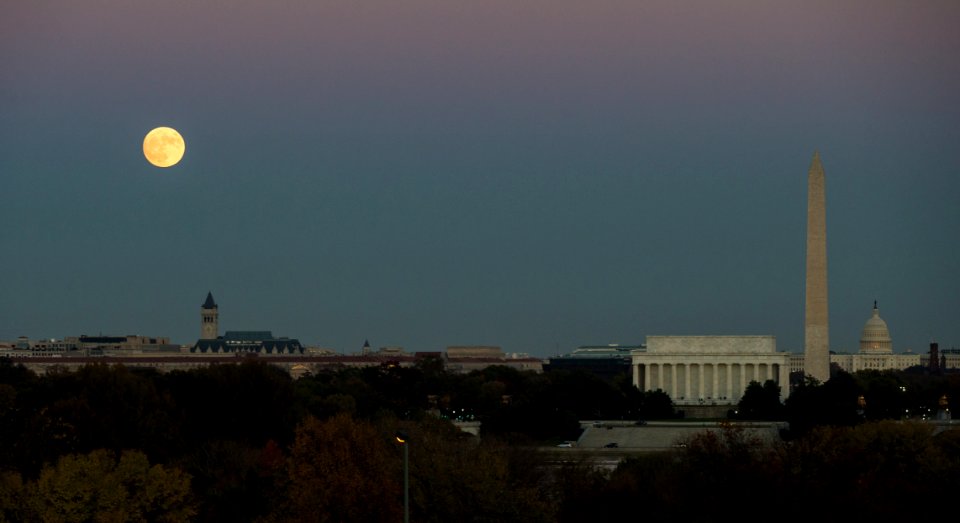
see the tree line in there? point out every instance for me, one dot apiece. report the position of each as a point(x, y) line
point(245, 442)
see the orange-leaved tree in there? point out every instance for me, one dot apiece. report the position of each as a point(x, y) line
point(341, 469)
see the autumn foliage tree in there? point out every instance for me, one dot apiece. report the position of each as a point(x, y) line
point(341, 469)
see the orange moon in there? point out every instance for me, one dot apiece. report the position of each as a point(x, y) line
point(163, 147)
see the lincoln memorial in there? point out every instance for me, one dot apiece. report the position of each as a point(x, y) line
point(708, 370)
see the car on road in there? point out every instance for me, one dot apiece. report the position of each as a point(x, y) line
point(566, 444)
point(611, 445)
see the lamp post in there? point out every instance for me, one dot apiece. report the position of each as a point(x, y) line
point(402, 439)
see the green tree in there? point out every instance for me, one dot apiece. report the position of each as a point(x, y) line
point(876, 470)
point(251, 402)
point(100, 487)
point(96, 406)
point(453, 476)
point(718, 465)
point(238, 481)
point(580, 492)
point(11, 497)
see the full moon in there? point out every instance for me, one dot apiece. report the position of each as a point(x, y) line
point(163, 147)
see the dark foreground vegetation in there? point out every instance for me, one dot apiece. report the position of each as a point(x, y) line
point(245, 442)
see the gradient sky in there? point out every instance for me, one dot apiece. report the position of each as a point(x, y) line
point(536, 175)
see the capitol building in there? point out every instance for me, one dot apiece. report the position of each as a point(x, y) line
point(876, 350)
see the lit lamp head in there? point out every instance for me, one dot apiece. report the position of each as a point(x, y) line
point(401, 437)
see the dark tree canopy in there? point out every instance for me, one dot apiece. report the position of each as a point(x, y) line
point(761, 402)
point(245, 442)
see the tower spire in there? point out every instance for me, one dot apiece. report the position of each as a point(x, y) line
point(209, 303)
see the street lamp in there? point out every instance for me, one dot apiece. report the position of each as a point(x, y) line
point(402, 439)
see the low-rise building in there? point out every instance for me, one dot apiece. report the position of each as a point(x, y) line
point(259, 342)
point(606, 361)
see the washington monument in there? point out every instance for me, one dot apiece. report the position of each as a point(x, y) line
point(816, 345)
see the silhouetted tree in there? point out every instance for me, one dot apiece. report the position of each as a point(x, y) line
point(761, 402)
point(885, 394)
point(657, 404)
point(250, 402)
point(834, 403)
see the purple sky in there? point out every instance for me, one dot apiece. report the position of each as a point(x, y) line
point(536, 175)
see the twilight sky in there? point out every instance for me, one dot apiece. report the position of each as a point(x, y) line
point(536, 175)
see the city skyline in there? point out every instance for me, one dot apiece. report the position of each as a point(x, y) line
point(536, 176)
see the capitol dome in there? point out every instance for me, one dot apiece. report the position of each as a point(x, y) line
point(875, 338)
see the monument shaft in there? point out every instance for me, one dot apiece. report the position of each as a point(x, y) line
point(816, 361)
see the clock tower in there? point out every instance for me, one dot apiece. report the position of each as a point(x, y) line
point(209, 316)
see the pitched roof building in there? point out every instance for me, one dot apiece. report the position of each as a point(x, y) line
point(256, 342)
